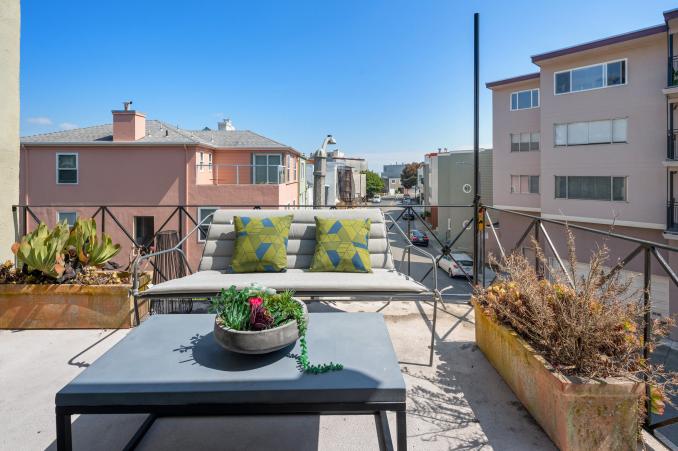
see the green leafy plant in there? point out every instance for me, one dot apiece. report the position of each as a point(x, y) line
point(260, 308)
point(61, 254)
point(42, 250)
point(84, 244)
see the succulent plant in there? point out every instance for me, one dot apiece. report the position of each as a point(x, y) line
point(84, 244)
point(61, 253)
point(42, 250)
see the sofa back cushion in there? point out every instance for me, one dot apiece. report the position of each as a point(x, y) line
point(220, 241)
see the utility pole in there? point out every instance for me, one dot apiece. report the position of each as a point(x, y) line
point(476, 150)
point(320, 171)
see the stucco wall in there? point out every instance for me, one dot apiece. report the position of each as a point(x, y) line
point(507, 163)
point(640, 159)
point(10, 24)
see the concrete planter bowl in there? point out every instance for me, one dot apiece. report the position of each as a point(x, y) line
point(258, 342)
point(576, 414)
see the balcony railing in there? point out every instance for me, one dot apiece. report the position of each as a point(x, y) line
point(672, 145)
point(673, 71)
point(240, 174)
point(672, 217)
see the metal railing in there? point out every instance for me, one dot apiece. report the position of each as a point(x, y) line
point(672, 145)
point(672, 217)
point(672, 73)
point(242, 174)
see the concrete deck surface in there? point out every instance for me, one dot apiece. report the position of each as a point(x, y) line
point(459, 403)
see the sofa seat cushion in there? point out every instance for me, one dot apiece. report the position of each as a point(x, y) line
point(299, 280)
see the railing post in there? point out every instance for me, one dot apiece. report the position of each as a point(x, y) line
point(103, 220)
point(647, 332)
point(409, 234)
point(24, 221)
point(537, 263)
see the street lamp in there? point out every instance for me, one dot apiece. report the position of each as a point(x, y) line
point(319, 171)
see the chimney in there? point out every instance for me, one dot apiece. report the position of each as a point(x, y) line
point(226, 124)
point(128, 125)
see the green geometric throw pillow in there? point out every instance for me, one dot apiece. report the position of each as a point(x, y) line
point(341, 245)
point(260, 244)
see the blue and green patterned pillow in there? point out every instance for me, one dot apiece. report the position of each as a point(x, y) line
point(341, 245)
point(260, 244)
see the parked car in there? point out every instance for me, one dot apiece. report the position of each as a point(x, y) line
point(460, 266)
point(376, 199)
point(419, 238)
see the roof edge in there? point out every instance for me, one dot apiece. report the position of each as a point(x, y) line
point(616, 39)
point(671, 14)
point(507, 81)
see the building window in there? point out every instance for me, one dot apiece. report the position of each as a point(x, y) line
point(289, 164)
point(295, 170)
point(525, 184)
point(586, 78)
point(144, 230)
point(204, 212)
point(209, 161)
point(268, 168)
point(591, 188)
point(67, 168)
point(593, 132)
point(69, 216)
point(523, 142)
point(523, 100)
point(202, 161)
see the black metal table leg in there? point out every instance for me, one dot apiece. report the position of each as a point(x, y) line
point(401, 427)
point(63, 431)
point(383, 431)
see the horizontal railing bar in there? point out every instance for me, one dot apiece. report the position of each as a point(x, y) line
point(368, 205)
point(588, 229)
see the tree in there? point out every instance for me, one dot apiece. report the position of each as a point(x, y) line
point(375, 184)
point(408, 178)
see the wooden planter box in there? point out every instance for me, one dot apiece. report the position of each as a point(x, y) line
point(67, 306)
point(576, 414)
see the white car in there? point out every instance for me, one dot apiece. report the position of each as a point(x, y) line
point(462, 266)
point(376, 199)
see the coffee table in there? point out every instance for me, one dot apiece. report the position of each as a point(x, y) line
point(171, 366)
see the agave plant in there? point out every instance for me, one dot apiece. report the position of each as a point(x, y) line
point(42, 250)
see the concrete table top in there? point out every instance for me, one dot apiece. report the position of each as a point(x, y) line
point(174, 359)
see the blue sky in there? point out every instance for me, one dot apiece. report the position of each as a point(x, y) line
point(391, 80)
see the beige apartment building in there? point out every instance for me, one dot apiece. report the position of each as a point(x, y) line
point(589, 138)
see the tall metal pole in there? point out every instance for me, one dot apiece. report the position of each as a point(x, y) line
point(476, 150)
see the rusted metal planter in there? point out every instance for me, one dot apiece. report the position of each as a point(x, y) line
point(576, 414)
point(25, 306)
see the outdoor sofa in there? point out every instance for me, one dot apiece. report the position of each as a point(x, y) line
point(383, 283)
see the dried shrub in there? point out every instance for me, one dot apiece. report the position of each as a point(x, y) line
point(590, 325)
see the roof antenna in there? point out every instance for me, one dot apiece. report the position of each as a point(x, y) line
point(127, 104)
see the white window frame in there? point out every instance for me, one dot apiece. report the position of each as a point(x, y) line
point(528, 184)
point(200, 209)
point(529, 143)
point(605, 85)
point(59, 213)
point(77, 168)
point(202, 161)
point(254, 167)
point(209, 161)
point(531, 90)
point(612, 177)
point(612, 141)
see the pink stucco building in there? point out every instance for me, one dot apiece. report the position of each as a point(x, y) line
point(589, 138)
point(142, 170)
